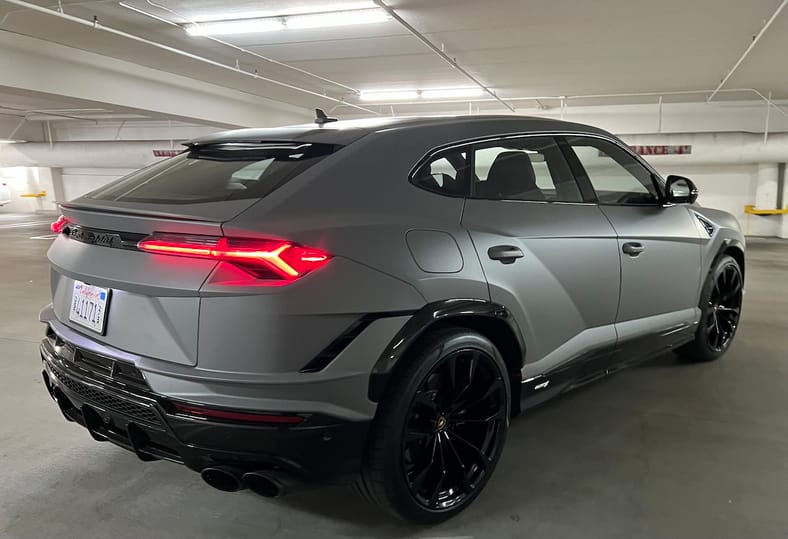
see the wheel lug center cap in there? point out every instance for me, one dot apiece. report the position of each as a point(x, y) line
point(441, 423)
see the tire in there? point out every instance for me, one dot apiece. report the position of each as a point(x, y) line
point(433, 408)
point(720, 305)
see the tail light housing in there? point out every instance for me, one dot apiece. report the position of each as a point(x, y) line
point(61, 223)
point(277, 260)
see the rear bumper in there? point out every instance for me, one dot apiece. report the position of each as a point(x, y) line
point(123, 410)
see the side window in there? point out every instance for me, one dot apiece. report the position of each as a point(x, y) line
point(527, 168)
point(446, 173)
point(616, 176)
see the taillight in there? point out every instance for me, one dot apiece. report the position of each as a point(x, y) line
point(232, 415)
point(265, 259)
point(58, 226)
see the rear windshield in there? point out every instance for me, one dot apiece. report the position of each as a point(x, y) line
point(215, 173)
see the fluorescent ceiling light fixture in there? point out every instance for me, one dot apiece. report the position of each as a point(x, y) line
point(445, 93)
point(11, 141)
point(297, 10)
point(336, 18)
point(292, 22)
point(389, 95)
point(243, 26)
point(409, 95)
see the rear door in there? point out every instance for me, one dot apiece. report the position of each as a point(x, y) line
point(549, 257)
point(658, 244)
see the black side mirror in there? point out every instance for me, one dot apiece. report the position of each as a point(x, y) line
point(681, 190)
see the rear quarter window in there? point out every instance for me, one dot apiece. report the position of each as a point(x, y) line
point(216, 173)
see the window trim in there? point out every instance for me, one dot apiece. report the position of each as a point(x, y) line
point(434, 157)
point(559, 135)
point(582, 175)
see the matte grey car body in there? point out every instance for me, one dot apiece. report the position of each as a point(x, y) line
point(554, 284)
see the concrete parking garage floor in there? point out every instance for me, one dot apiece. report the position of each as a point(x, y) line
point(663, 450)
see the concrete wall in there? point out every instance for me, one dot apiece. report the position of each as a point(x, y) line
point(78, 181)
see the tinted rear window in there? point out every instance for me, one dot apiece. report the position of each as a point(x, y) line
point(215, 173)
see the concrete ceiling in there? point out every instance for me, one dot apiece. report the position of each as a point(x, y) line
point(520, 49)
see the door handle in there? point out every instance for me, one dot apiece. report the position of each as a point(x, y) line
point(506, 254)
point(633, 248)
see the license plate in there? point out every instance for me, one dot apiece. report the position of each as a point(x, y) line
point(89, 305)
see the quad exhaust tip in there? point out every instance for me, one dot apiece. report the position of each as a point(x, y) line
point(269, 483)
point(225, 478)
point(266, 483)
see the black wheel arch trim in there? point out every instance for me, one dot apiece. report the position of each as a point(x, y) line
point(726, 245)
point(425, 319)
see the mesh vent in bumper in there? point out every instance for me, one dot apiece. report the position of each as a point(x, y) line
point(117, 404)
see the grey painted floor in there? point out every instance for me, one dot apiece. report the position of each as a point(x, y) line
point(665, 450)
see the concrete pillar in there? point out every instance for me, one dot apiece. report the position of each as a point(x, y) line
point(782, 199)
point(766, 186)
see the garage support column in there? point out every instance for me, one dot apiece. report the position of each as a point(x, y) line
point(766, 186)
point(782, 199)
point(766, 195)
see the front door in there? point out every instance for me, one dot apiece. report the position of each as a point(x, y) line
point(658, 245)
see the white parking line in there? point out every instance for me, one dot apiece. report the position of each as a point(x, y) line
point(46, 237)
point(23, 225)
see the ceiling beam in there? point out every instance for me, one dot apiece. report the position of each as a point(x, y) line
point(754, 42)
point(30, 66)
point(95, 25)
point(451, 61)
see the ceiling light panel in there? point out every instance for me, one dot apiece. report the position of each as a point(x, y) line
point(324, 19)
point(244, 26)
point(389, 95)
point(337, 18)
point(410, 95)
point(448, 93)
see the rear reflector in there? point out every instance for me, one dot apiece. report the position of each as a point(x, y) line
point(249, 417)
point(265, 259)
point(58, 226)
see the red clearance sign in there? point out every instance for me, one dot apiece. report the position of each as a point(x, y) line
point(166, 153)
point(663, 150)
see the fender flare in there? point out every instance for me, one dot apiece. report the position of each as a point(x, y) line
point(421, 322)
point(726, 244)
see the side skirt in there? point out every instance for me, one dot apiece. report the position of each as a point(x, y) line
point(601, 362)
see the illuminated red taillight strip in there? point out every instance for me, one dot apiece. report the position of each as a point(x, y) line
point(249, 417)
point(286, 260)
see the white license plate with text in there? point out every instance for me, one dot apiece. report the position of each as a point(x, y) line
point(89, 306)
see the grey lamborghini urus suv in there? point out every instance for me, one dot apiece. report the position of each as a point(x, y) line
point(372, 301)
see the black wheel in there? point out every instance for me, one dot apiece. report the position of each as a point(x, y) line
point(440, 429)
point(720, 306)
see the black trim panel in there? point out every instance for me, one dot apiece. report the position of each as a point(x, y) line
point(330, 352)
point(103, 238)
point(602, 362)
point(421, 321)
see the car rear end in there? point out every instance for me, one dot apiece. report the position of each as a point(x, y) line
point(181, 332)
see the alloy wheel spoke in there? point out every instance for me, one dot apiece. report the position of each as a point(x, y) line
point(483, 461)
point(423, 400)
point(416, 436)
point(488, 419)
point(463, 471)
point(418, 481)
point(437, 490)
point(496, 386)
